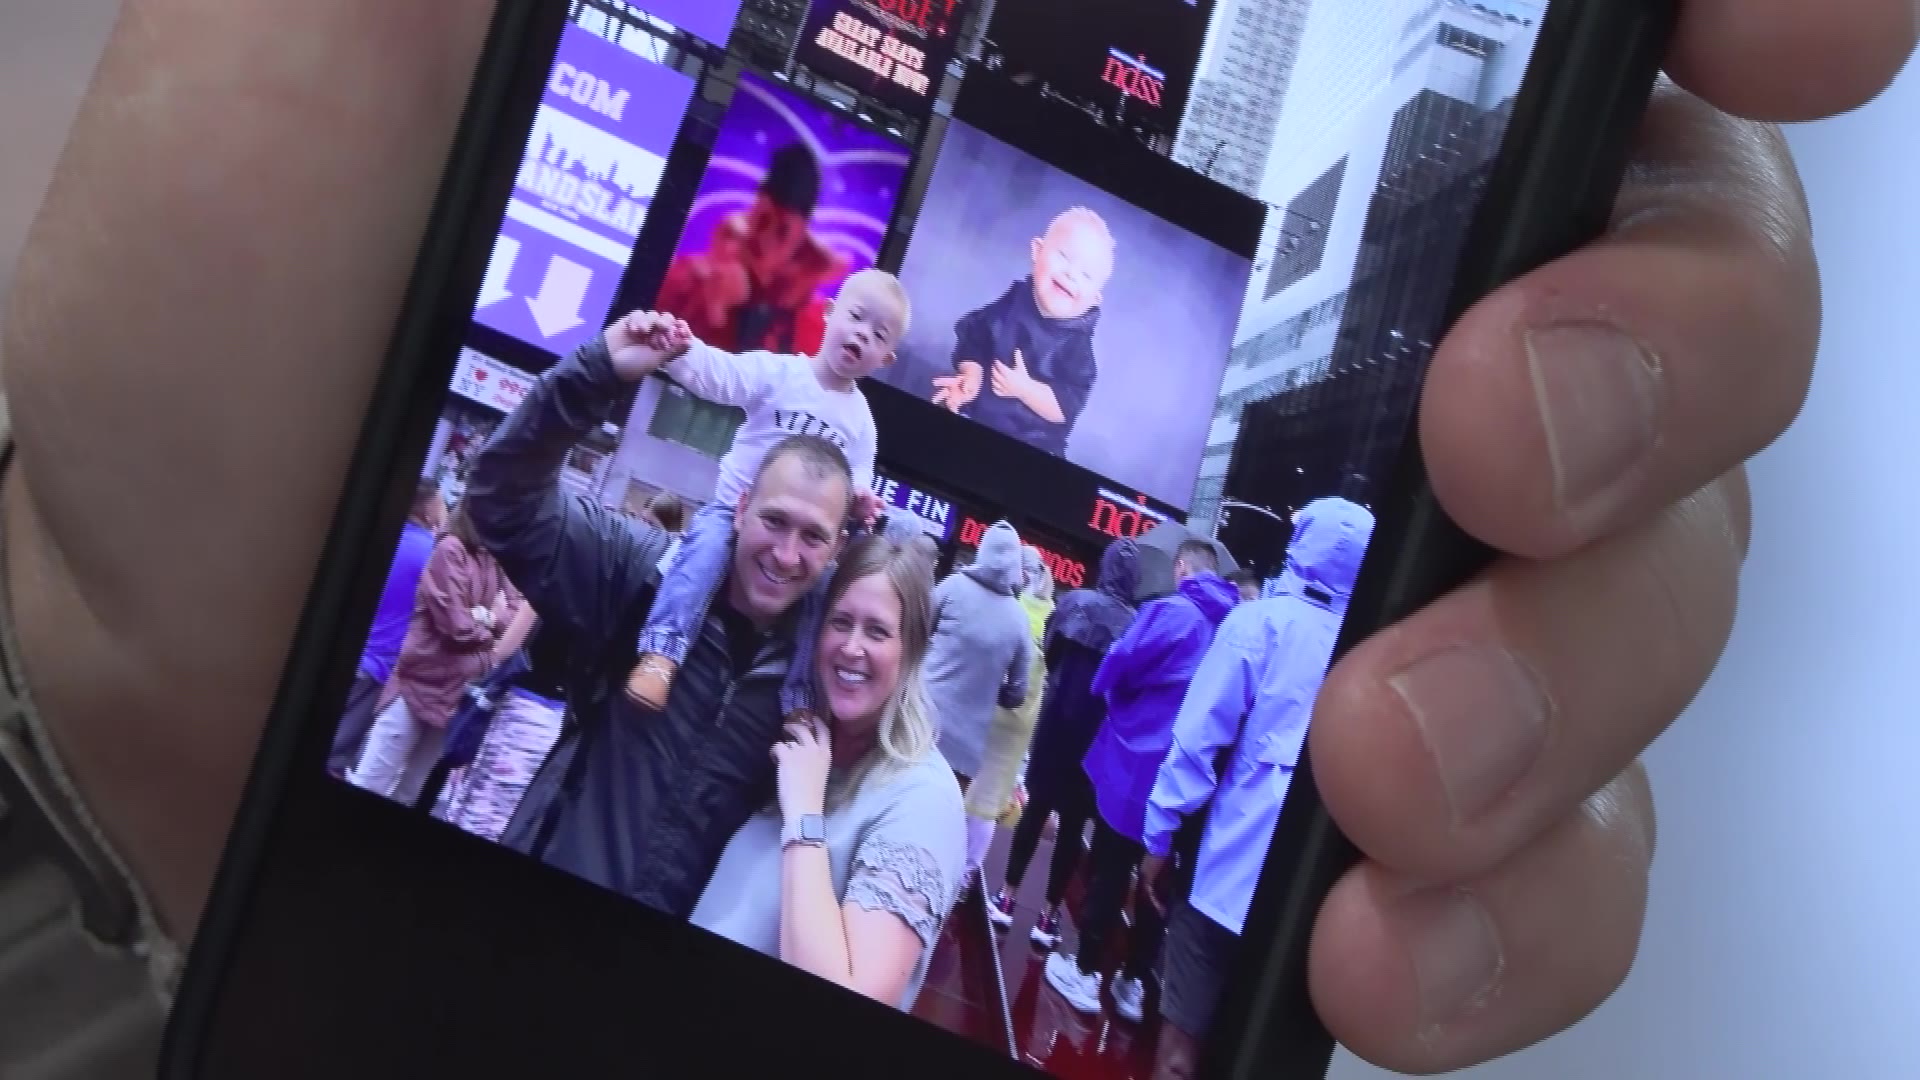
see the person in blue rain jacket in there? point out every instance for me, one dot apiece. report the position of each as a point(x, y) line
point(1235, 745)
point(1143, 680)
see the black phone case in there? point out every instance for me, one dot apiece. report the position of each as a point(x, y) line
point(515, 970)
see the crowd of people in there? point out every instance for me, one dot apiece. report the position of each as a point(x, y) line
point(766, 717)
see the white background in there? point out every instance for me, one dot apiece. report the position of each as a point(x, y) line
point(1784, 937)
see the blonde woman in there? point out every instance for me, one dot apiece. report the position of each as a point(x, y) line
point(850, 875)
point(1012, 730)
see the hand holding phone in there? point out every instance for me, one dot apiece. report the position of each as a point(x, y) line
point(226, 947)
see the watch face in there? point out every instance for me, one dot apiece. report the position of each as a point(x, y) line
point(813, 828)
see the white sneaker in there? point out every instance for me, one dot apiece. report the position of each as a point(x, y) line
point(1130, 999)
point(1081, 990)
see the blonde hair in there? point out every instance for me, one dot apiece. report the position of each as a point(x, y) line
point(1082, 216)
point(887, 285)
point(907, 726)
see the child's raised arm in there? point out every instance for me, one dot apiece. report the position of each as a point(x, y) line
point(644, 342)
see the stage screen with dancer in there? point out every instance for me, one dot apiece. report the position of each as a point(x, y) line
point(796, 198)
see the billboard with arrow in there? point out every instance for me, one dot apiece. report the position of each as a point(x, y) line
point(593, 163)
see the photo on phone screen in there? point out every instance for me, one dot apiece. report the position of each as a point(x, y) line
point(908, 468)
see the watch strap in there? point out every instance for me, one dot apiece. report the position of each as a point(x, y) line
point(810, 830)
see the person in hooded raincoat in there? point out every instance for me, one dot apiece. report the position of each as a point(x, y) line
point(1012, 730)
point(1235, 746)
point(1143, 678)
point(981, 649)
point(1084, 625)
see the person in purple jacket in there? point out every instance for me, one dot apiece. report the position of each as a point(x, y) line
point(1143, 680)
point(1236, 743)
point(424, 522)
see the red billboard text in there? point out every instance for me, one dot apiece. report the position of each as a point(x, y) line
point(1119, 521)
point(1067, 573)
point(1134, 82)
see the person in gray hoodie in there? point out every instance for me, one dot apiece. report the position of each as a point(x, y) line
point(981, 649)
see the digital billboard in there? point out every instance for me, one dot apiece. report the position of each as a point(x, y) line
point(710, 20)
point(796, 197)
point(1066, 318)
point(606, 122)
point(893, 50)
point(1132, 60)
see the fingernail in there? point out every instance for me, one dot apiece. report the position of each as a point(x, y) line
point(1600, 394)
point(1484, 718)
point(1456, 952)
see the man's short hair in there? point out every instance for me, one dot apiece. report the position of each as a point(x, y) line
point(819, 457)
point(1199, 555)
point(427, 489)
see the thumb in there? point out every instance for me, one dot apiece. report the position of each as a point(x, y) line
point(1019, 360)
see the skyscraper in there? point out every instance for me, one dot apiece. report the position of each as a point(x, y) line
point(1394, 111)
point(1244, 73)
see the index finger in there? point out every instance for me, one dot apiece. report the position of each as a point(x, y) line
point(1785, 60)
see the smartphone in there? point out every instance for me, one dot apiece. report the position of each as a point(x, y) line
point(798, 603)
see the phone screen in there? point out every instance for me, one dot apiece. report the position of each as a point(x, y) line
point(908, 469)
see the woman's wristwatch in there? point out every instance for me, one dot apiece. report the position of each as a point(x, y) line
point(809, 831)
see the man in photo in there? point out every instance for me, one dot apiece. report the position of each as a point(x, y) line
point(1024, 365)
point(782, 395)
point(757, 286)
point(638, 802)
point(1236, 743)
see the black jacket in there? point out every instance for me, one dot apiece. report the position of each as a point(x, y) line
point(638, 802)
point(1070, 716)
point(1058, 352)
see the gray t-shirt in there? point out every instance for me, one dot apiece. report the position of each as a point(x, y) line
point(899, 845)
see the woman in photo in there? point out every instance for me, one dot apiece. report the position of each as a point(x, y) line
point(854, 869)
point(991, 794)
point(462, 608)
point(1082, 628)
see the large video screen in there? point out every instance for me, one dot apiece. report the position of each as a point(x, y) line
point(895, 51)
point(797, 197)
point(594, 161)
point(1065, 318)
point(1129, 58)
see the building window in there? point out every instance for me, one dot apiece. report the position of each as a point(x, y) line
point(682, 418)
point(1303, 239)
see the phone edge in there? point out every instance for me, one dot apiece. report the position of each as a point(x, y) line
point(1551, 191)
point(424, 343)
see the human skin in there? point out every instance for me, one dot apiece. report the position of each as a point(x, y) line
point(207, 295)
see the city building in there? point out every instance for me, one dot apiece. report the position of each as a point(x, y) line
point(1228, 133)
point(1393, 112)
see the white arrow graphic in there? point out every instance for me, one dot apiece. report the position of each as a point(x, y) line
point(506, 252)
point(557, 309)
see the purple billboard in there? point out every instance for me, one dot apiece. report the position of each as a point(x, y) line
point(796, 197)
point(599, 146)
point(711, 20)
